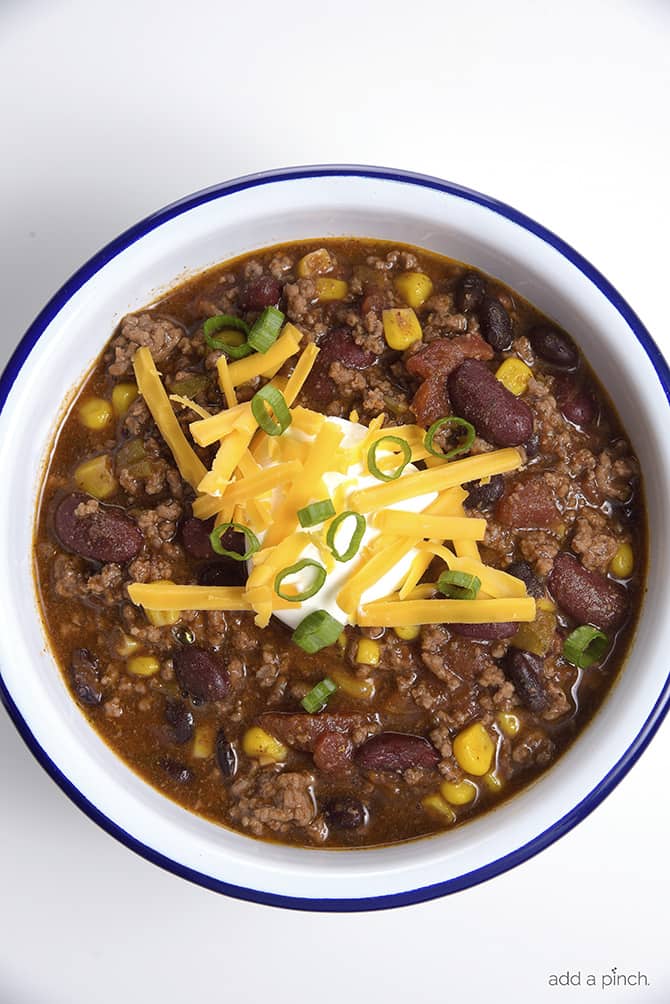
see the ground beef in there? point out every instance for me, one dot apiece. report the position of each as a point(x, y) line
point(593, 540)
point(71, 580)
point(275, 802)
point(160, 336)
point(540, 549)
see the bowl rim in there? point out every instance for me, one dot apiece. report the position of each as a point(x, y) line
point(29, 341)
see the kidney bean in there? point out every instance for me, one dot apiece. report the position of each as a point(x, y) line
point(333, 752)
point(85, 677)
point(177, 770)
point(180, 720)
point(482, 497)
point(497, 415)
point(262, 292)
point(224, 572)
point(522, 570)
point(525, 671)
point(495, 324)
point(201, 674)
point(375, 299)
point(345, 813)
point(528, 504)
point(485, 632)
point(195, 537)
point(574, 401)
point(554, 347)
point(105, 535)
point(337, 345)
point(396, 751)
point(587, 596)
point(226, 757)
point(470, 292)
point(301, 730)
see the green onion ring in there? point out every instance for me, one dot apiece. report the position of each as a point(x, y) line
point(462, 447)
point(253, 543)
point(459, 585)
point(584, 646)
point(218, 323)
point(269, 395)
point(265, 329)
point(316, 631)
point(318, 696)
point(356, 536)
point(405, 449)
point(306, 594)
point(317, 512)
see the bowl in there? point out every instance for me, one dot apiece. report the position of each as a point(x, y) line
point(64, 341)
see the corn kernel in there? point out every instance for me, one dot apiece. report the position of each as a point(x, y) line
point(514, 375)
point(161, 618)
point(437, 805)
point(261, 746)
point(474, 749)
point(623, 562)
point(123, 396)
point(203, 742)
point(126, 645)
point(368, 652)
point(414, 287)
point(353, 415)
point(546, 604)
point(96, 413)
point(458, 794)
point(315, 263)
point(493, 782)
point(143, 665)
point(409, 632)
point(330, 289)
point(342, 640)
point(360, 690)
point(509, 723)
point(401, 328)
point(96, 477)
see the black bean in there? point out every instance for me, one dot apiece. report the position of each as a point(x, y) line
point(177, 770)
point(396, 751)
point(201, 674)
point(224, 572)
point(195, 537)
point(497, 415)
point(522, 570)
point(525, 671)
point(482, 497)
point(85, 677)
point(345, 813)
point(554, 347)
point(107, 534)
point(495, 324)
point(180, 719)
point(532, 446)
point(226, 757)
point(470, 292)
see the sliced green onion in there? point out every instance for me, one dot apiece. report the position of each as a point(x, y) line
point(227, 321)
point(584, 646)
point(311, 590)
point(356, 537)
point(459, 585)
point(405, 449)
point(269, 395)
point(253, 543)
point(318, 696)
point(265, 329)
point(317, 512)
point(316, 631)
point(455, 422)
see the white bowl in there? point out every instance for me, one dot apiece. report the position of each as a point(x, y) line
point(66, 338)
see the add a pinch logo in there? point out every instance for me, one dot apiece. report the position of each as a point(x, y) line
point(603, 980)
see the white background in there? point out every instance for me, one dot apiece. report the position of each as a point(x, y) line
point(111, 109)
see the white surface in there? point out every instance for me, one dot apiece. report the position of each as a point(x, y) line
point(563, 116)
